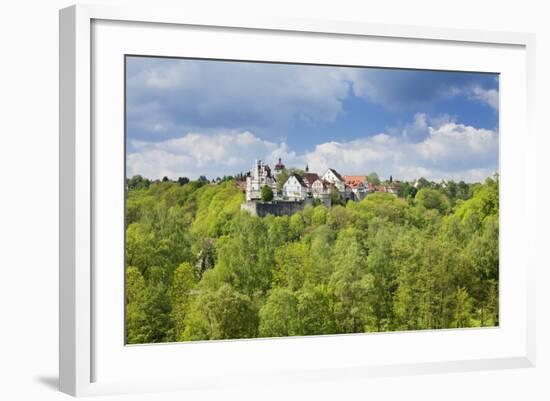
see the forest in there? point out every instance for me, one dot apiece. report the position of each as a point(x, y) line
point(197, 268)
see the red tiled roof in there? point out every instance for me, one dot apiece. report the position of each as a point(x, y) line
point(355, 181)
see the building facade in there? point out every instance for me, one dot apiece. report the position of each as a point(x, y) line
point(259, 176)
point(358, 184)
point(294, 189)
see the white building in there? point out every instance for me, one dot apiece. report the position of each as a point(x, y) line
point(260, 176)
point(295, 189)
point(318, 187)
point(333, 177)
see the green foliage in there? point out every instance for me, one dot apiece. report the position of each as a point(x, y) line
point(220, 314)
point(407, 191)
point(179, 294)
point(267, 194)
point(463, 308)
point(245, 256)
point(373, 178)
point(279, 315)
point(137, 182)
point(198, 268)
point(335, 197)
point(135, 313)
point(315, 310)
point(293, 265)
point(432, 199)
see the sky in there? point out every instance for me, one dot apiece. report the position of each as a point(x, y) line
point(191, 117)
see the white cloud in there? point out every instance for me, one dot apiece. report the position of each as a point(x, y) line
point(488, 96)
point(197, 154)
point(448, 151)
point(177, 74)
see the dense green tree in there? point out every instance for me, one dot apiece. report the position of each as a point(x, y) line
point(267, 193)
point(408, 191)
point(463, 308)
point(433, 199)
point(423, 183)
point(373, 178)
point(135, 311)
point(296, 226)
point(137, 182)
point(319, 216)
point(335, 197)
point(220, 314)
point(293, 265)
point(384, 270)
point(183, 180)
point(198, 268)
point(245, 257)
point(179, 294)
point(141, 247)
point(279, 315)
point(316, 310)
point(321, 242)
point(206, 258)
point(350, 282)
point(157, 325)
point(278, 231)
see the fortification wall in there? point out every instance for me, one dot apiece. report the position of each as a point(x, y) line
point(276, 208)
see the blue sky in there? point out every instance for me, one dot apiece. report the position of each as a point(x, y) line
point(202, 117)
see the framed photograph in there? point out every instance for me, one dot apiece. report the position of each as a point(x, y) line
point(276, 200)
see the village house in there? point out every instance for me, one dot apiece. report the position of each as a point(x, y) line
point(300, 190)
point(333, 177)
point(358, 184)
point(295, 189)
point(309, 179)
point(320, 188)
point(393, 188)
point(310, 186)
point(317, 188)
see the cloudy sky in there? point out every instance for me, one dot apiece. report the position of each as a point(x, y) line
point(202, 117)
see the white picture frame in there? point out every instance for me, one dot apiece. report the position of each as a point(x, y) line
point(84, 355)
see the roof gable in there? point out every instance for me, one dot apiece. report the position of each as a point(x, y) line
point(336, 174)
point(310, 178)
point(297, 178)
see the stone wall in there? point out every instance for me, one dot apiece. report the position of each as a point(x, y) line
point(276, 208)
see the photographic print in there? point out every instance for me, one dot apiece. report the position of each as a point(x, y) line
point(276, 199)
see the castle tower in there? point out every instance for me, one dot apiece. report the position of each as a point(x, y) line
point(279, 167)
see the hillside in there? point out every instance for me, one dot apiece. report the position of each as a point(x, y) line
point(198, 268)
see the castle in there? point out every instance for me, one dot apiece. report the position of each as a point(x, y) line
point(300, 189)
point(259, 177)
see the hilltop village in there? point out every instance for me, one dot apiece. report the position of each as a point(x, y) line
point(281, 191)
